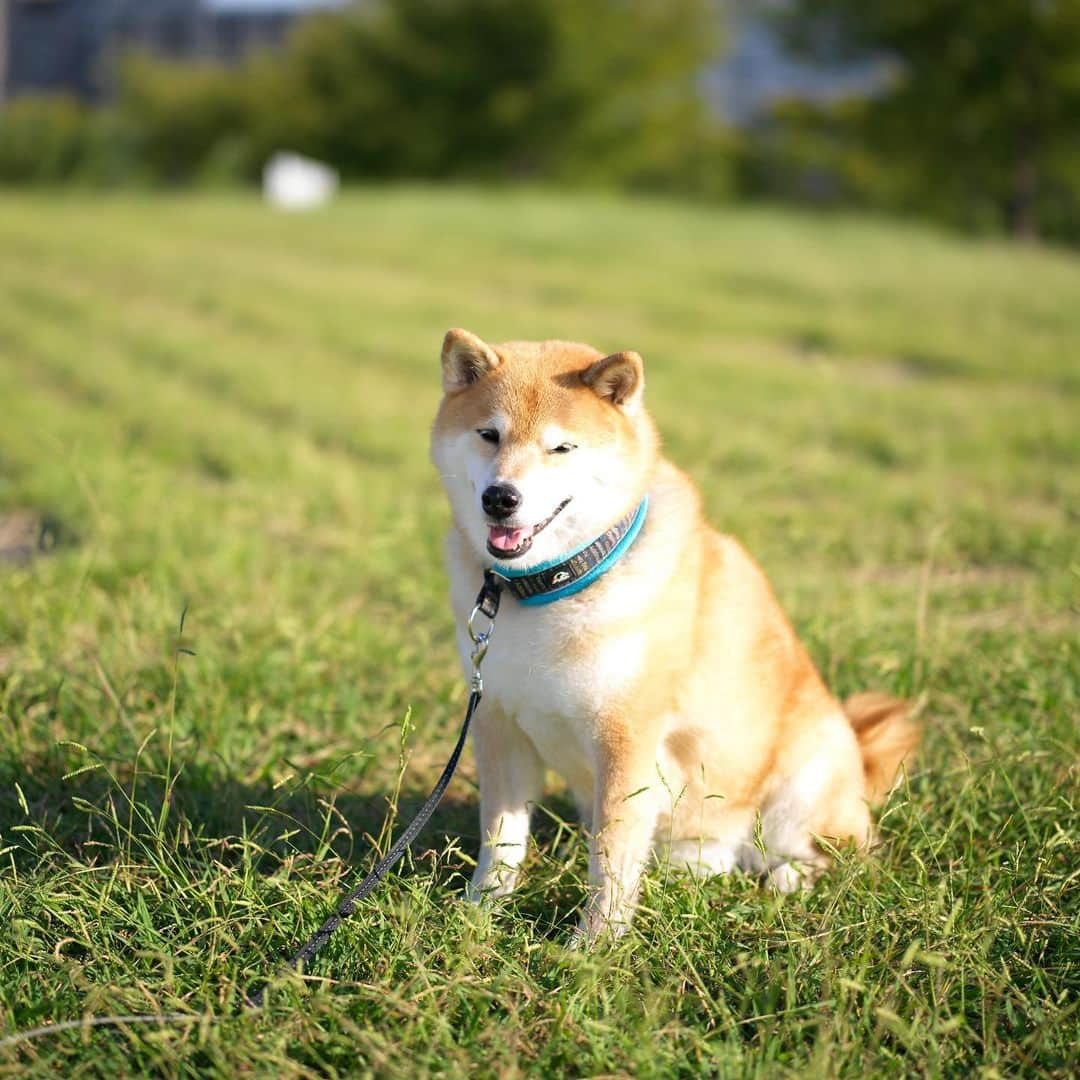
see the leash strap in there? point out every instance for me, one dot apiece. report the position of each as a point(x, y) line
point(487, 604)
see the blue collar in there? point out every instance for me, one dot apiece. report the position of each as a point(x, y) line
point(559, 578)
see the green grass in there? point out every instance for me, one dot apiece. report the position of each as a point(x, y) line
point(225, 411)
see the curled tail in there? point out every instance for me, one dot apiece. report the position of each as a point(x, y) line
point(887, 737)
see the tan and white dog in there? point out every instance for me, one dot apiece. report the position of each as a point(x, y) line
point(671, 693)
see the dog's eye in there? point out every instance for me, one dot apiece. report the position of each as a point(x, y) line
point(488, 435)
point(563, 448)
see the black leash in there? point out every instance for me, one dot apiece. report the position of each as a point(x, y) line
point(487, 604)
point(348, 905)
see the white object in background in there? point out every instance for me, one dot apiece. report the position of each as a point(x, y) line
point(293, 182)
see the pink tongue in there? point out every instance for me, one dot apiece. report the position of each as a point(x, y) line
point(504, 539)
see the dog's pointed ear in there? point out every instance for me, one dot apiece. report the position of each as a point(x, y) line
point(465, 359)
point(618, 378)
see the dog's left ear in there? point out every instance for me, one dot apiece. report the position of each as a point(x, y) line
point(618, 378)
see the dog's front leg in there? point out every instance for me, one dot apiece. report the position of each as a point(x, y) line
point(626, 805)
point(511, 776)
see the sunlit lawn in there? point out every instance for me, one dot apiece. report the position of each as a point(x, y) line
point(225, 411)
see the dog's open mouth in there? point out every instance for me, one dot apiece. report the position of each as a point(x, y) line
point(505, 542)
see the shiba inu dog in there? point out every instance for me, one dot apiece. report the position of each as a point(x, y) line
point(641, 655)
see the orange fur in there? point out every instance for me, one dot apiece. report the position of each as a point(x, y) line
point(887, 738)
point(672, 694)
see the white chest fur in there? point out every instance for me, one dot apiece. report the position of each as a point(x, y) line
point(550, 671)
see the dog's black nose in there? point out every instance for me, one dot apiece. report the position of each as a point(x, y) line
point(500, 500)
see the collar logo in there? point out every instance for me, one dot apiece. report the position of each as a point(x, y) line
point(560, 577)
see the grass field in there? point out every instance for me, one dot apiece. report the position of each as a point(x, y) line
point(224, 412)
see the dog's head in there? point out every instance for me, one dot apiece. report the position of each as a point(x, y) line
point(541, 445)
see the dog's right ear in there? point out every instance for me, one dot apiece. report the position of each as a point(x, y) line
point(465, 359)
point(618, 378)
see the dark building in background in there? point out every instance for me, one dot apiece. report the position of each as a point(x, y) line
point(71, 46)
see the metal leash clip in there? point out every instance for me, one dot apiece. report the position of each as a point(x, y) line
point(487, 604)
point(481, 640)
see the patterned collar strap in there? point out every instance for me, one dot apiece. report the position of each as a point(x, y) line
point(556, 579)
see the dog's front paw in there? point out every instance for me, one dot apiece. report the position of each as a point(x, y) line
point(490, 888)
point(580, 941)
point(597, 925)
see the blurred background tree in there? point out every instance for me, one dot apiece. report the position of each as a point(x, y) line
point(598, 90)
point(962, 110)
point(981, 123)
point(180, 119)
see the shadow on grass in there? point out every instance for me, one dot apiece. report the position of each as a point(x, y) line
point(213, 817)
point(92, 816)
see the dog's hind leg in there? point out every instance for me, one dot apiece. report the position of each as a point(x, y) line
point(700, 858)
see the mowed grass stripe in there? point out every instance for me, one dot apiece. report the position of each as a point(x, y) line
point(279, 406)
point(717, 268)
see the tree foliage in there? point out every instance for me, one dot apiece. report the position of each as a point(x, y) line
point(481, 88)
point(983, 117)
point(583, 91)
point(178, 117)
